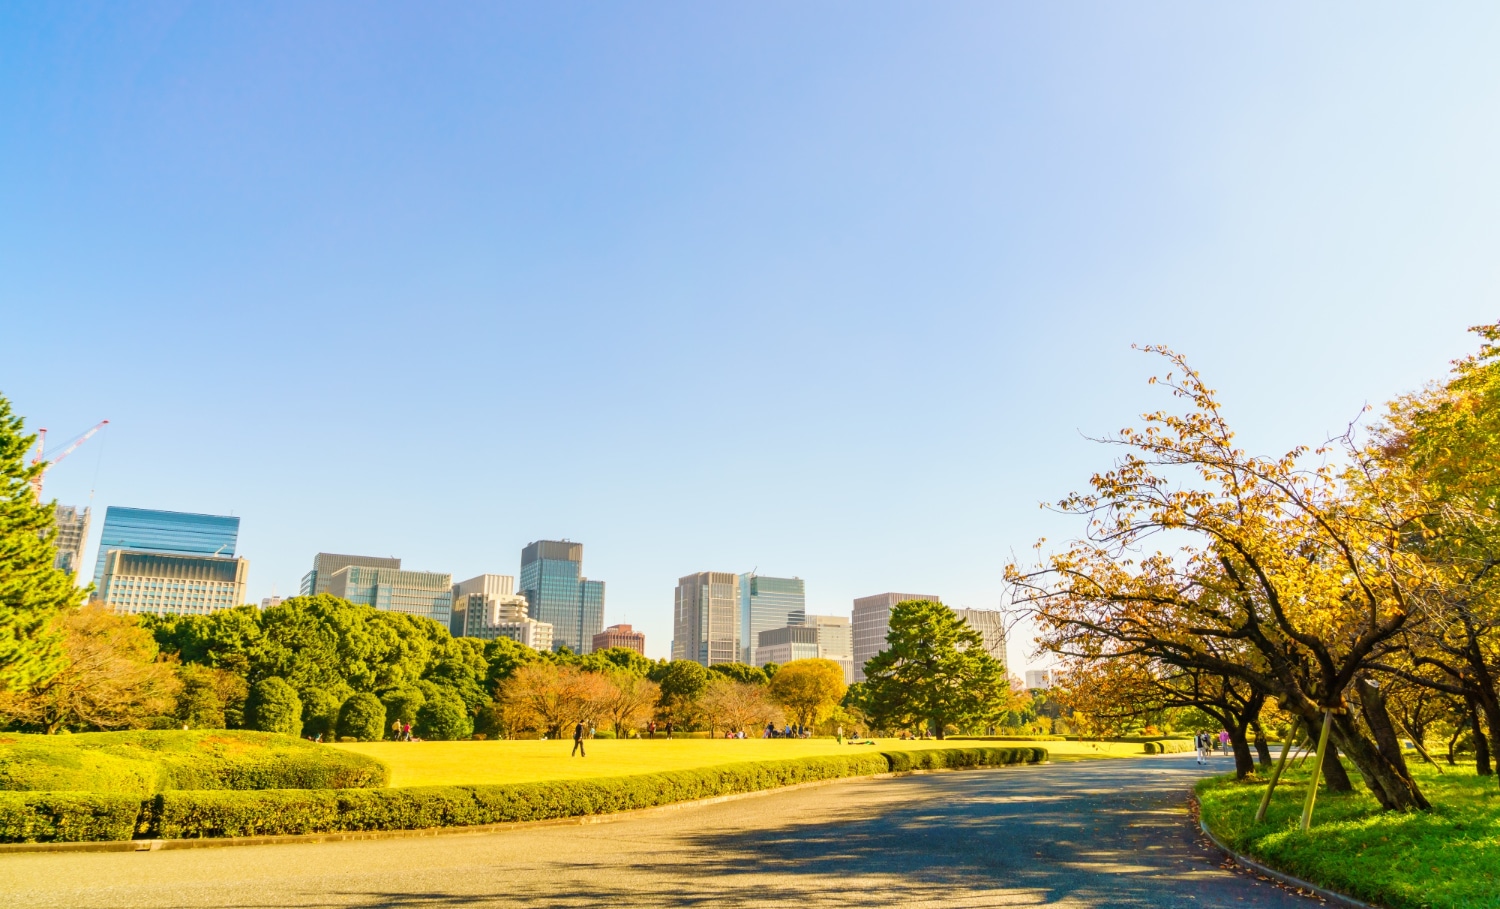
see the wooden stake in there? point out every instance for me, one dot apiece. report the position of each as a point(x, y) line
point(1265, 800)
point(1312, 784)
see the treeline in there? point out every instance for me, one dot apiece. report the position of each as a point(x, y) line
point(1351, 586)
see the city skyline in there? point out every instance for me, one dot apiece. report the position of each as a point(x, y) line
point(873, 304)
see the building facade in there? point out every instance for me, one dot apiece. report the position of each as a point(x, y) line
point(790, 642)
point(72, 531)
point(166, 584)
point(990, 623)
point(767, 603)
point(428, 594)
point(1038, 678)
point(705, 618)
point(870, 623)
point(326, 563)
point(622, 636)
point(557, 593)
point(487, 607)
point(167, 532)
point(835, 641)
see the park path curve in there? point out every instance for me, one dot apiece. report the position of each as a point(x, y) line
point(1073, 835)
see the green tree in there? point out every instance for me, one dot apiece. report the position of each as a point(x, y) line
point(682, 683)
point(320, 709)
point(503, 657)
point(808, 689)
point(273, 706)
point(741, 672)
point(626, 659)
point(362, 717)
point(458, 664)
point(444, 719)
point(32, 591)
point(935, 671)
point(402, 704)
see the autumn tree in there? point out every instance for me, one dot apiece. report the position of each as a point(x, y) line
point(111, 678)
point(550, 698)
point(32, 591)
point(628, 701)
point(1281, 578)
point(934, 672)
point(808, 689)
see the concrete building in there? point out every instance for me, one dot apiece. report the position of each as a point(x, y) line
point(487, 607)
point(553, 584)
point(767, 603)
point(72, 531)
point(990, 623)
point(168, 584)
point(326, 563)
point(428, 594)
point(1038, 678)
point(268, 602)
point(705, 618)
point(790, 642)
point(165, 532)
point(621, 636)
point(870, 623)
point(835, 641)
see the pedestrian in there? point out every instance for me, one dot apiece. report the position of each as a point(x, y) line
point(1224, 741)
point(651, 729)
point(841, 735)
point(578, 740)
point(669, 728)
point(406, 732)
point(396, 731)
point(1202, 747)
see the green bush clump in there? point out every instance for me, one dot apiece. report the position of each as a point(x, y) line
point(954, 758)
point(444, 720)
point(67, 817)
point(362, 718)
point(274, 707)
point(146, 762)
point(1168, 746)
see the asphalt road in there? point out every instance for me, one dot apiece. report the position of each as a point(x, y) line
point(1104, 833)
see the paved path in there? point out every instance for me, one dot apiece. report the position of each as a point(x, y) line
point(1106, 833)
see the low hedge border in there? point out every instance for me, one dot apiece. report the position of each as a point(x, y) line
point(1168, 746)
point(185, 814)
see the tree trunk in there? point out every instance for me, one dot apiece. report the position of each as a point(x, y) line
point(1262, 747)
point(1394, 791)
point(1388, 763)
point(1333, 770)
point(1481, 743)
point(1244, 764)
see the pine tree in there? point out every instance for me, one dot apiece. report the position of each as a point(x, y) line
point(32, 590)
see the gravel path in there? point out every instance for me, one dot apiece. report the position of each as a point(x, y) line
point(1092, 834)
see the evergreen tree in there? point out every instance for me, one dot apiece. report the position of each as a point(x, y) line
point(934, 672)
point(32, 591)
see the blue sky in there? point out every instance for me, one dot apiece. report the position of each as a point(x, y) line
point(831, 290)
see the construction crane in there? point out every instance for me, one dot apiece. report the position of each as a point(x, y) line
point(41, 445)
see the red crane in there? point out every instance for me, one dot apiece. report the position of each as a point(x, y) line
point(41, 444)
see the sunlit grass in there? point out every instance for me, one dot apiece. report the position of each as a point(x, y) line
point(452, 763)
point(1448, 858)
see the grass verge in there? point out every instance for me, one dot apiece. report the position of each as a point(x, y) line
point(1448, 858)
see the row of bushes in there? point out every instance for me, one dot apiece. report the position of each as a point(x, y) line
point(146, 762)
point(64, 817)
point(1168, 746)
point(1006, 738)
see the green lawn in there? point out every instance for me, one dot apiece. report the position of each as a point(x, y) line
point(457, 763)
point(1448, 858)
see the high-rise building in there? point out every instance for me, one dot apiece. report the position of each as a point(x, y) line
point(1038, 678)
point(269, 602)
point(990, 623)
point(620, 636)
point(835, 641)
point(871, 622)
point(553, 584)
point(706, 625)
point(767, 603)
point(790, 642)
point(326, 563)
point(167, 532)
point(487, 607)
point(167, 584)
point(72, 531)
point(428, 594)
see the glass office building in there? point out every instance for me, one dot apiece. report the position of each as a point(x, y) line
point(168, 532)
point(557, 593)
point(705, 624)
point(326, 563)
point(767, 603)
point(428, 594)
point(160, 584)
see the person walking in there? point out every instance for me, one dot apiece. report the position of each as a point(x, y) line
point(1198, 745)
point(396, 731)
point(669, 728)
point(578, 740)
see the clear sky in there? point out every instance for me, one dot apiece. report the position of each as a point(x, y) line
point(827, 290)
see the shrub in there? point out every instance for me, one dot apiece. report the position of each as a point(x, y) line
point(67, 817)
point(273, 707)
point(320, 710)
point(362, 718)
point(401, 705)
point(444, 719)
point(145, 762)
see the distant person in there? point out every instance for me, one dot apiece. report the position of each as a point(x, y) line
point(396, 731)
point(841, 735)
point(1224, 741)
point(669, 728)
point(651, 729)
point(1202, 742)
point(578, 741)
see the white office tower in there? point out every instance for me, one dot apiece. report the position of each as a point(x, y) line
point(488, 607)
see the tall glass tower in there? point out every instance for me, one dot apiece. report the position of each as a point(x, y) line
point(556, 592)
point(767, 603)
point(170, 532)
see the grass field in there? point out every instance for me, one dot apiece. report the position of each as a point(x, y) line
point(1448, 858)
point(458, 763)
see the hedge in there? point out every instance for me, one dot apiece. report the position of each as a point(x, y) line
point(145, 762)
point(67, 817)
point(212, 813)
point(1168, 746)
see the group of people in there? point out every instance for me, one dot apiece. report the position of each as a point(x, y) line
point(787, 732)
point(401, 732)
point(1205, 743)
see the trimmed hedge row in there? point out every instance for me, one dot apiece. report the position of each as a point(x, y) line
point(1168, 746)
point(146, 762)
point(34, 817)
